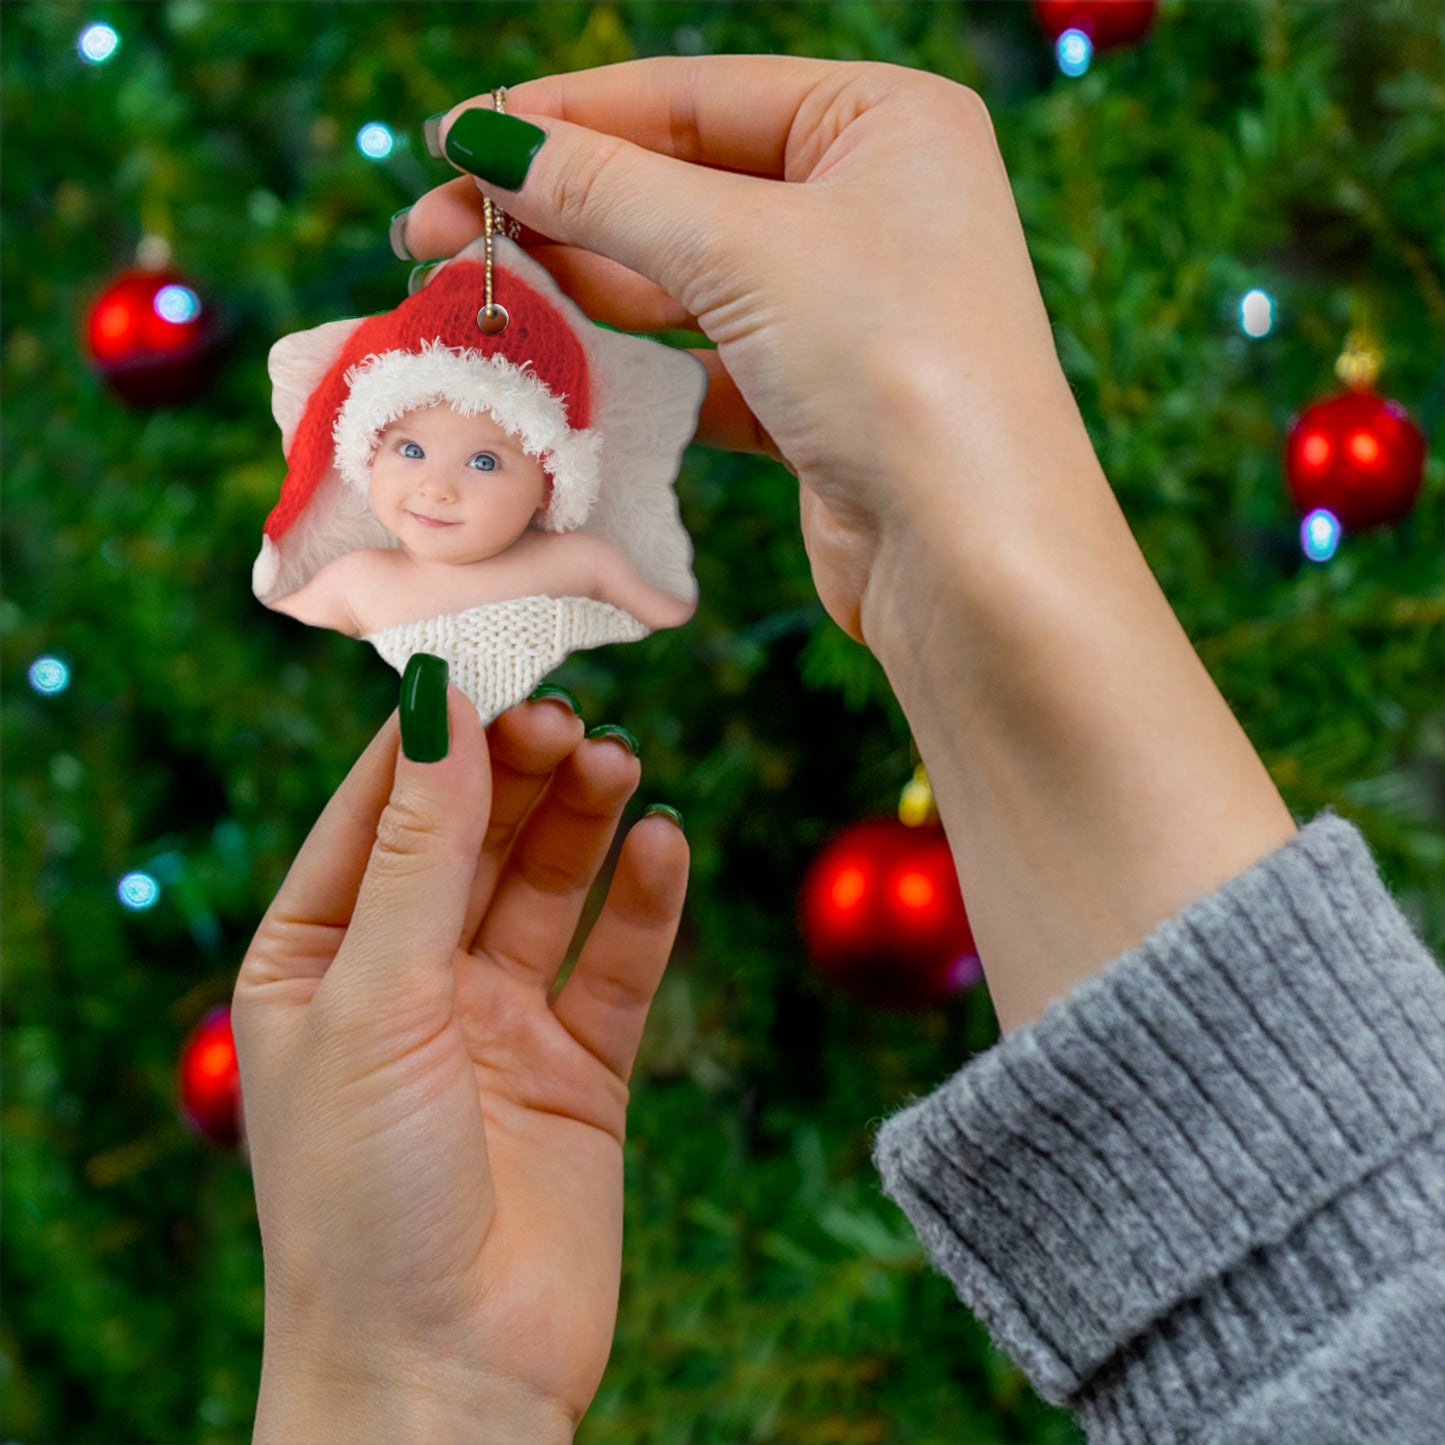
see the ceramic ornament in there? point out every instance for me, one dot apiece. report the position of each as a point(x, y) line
point(500, 500)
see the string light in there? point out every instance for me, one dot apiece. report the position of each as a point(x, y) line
point(1074, 51)
point(375, 141)
point(138, 891)
point(97, 44)
point(49, 675)
point(1319, 535)
point(177, 304)
point(1256, 313)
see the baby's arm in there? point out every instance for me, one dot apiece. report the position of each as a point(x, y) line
point(325, 601)
point(614, 581)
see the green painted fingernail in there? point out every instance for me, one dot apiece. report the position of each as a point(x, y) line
point(431, 133)
point(498, 148)
point(663, 810)
point(417, 279)
point(424, 734)
point(396, 234)
point(615, 730)
point(550, 689)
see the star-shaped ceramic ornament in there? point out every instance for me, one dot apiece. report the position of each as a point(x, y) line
point(499, 498)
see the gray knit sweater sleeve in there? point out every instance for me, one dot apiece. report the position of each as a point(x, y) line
point(1202, 1199)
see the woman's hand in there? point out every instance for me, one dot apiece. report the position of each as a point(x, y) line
point(437, 1145)
point(877, 319)
point(848, 237)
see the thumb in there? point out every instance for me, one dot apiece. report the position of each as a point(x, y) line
point(660, 217)
point(407, 923)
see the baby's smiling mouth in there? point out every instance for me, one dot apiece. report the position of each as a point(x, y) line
point(429, 521)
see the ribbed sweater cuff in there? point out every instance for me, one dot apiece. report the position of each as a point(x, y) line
point(1214, 1106)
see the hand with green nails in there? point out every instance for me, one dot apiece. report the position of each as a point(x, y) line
point(847, 237)
point(435, 1130)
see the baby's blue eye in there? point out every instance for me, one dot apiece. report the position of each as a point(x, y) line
point(412, 449)
point(484, 462)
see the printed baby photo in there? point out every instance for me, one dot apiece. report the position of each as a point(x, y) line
point(498, 498)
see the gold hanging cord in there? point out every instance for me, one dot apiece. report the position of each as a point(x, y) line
point(493, 318)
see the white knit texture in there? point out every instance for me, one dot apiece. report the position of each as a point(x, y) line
point(500, 651)
point(385, 387)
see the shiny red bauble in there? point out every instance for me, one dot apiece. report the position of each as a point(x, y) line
point(210, 1080)
point(883, 917)
point(1357, 455)
point(152, 338)
point(1107, 23)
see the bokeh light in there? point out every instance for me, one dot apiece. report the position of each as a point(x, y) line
point(375, 141)
point(1319, 535)
point(1256, 313)
point(1075, 52)
point(49, 675)
point(97, 44)
point(849, 887)
point(177, 304)
point(138, 891)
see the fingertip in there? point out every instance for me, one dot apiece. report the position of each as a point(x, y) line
point(665, 810)
point(536, 734)
point(607, 758)
point(658, 844)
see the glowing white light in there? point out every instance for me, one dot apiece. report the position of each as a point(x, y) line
point(1074, 51)
point(97, 43)
point(1256, 313)
point(1319, 535)
point(177, 304)
point(375, 141)
point(49, 675)
point(138, 891)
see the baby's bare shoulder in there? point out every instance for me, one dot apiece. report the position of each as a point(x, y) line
point(569, 558)
point(365, 564)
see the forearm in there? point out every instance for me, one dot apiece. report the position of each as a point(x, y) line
point(1092, 779)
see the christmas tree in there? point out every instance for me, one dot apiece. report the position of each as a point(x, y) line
point(169, 742)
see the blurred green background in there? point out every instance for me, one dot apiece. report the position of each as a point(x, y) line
point(770, 1292)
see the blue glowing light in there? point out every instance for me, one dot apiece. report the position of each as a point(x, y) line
point(97, 44)
point(138, 891)
point(177, 304)
point(1256, 313)
point(375, 141)
point(49, 675)
point(1319, 535)
point(1074, 51)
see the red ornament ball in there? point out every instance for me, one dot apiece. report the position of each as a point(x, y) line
point(152, 338)
point(883, 917)
point(1107, 23)
point(1358, 456)
point(210, 1080)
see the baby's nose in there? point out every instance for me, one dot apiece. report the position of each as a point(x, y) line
point(435, 487)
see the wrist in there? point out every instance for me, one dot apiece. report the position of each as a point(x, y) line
point(399, 1397)
point(1092, 779)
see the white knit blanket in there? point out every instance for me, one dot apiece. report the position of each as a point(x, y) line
point(500, 651)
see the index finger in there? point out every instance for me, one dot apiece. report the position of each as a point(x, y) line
point(733, 112)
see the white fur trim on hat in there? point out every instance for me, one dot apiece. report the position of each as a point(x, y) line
point(385, 387)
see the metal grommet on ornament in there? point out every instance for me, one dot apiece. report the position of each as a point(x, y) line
point(492, 318)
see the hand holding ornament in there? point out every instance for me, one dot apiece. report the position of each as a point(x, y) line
point(436, 1141)
point(847, 236)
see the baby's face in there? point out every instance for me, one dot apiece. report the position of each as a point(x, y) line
point(454, 488)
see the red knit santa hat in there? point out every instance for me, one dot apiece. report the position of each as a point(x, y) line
point(608, 415)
